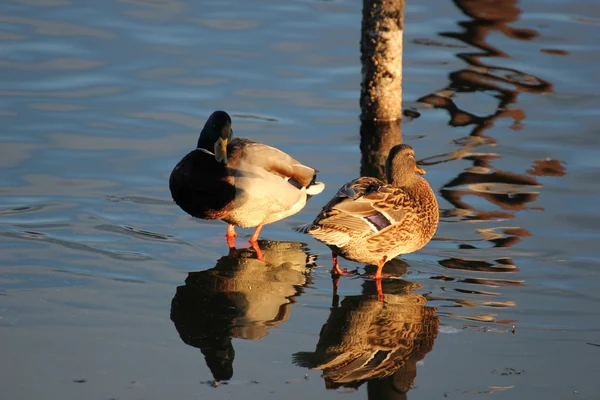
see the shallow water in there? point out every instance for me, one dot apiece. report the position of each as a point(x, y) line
point(108, 290)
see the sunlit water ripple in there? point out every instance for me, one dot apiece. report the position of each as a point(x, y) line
point(99, 101)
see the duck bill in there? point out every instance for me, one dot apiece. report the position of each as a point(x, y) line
point(221, 150)
point(419, 170)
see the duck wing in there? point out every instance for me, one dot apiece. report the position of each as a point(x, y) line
point(272, 160)
point(362, 207)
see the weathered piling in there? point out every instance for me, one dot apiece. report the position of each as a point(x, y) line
point(381, 86)
point(381, 58)
point(376, 140)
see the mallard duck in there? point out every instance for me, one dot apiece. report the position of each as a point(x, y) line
point(367, 340)
point(241, 297)
point(239, 181)
point(371, 221)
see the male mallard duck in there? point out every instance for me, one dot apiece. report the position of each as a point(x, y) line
point(240, 297)
point(243, 183)
point(371, 221)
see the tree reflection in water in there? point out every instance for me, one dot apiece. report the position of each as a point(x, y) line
point(507, 191)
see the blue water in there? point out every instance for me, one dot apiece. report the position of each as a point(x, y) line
point(98, 102)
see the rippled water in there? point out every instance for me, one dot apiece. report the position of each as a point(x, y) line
point(108, 290)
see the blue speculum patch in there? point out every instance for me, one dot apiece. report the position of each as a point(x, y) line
point(379, 220)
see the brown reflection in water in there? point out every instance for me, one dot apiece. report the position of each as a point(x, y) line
point(557, 52)
point(507, 190)
point(501, 237)
point(365, 340)
point(488, 16)
point(241, 297)
point(547, 167)
point(376, 140)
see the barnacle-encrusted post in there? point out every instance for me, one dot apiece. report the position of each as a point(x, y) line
point(376, 140)
point(381, 86)
point(381, 58)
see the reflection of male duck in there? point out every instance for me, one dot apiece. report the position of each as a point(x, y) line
point(240, 297)
point(368, 340)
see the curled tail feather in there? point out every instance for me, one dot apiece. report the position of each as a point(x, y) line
point(303, 228)
point(315, 188)
point(303, 359)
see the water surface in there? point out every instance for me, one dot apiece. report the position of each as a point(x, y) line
point(108, 290)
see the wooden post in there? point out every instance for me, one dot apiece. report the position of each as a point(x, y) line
point(381, 86)
point(381, 58)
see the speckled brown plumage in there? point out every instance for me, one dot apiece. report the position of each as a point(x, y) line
point(364, 339)
point(371, 221)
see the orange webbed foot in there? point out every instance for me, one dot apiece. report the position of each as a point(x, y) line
point(378, 277)
point(336, 271)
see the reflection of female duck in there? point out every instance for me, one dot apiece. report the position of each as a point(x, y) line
point(367, 340)
point(240, 297)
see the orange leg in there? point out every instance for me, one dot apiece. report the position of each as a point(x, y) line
point(254, 237)
point(380, 265)
point(336, 270)
point(377, 277)
point(335, 279)
point(259, 254)
point(380, 295)
point(231, 236)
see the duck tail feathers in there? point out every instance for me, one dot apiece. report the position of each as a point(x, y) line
point(315, 188)
point(303, 228)
point(303, 359)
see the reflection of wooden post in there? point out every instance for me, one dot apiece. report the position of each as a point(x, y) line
point(376, 140)
point(381, 58)
point(381, 86)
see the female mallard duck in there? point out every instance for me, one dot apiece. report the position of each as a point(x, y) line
point(371, 221)
point(243, 183)
point(367, 340)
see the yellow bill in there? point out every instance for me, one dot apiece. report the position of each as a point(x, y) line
point(221, 150)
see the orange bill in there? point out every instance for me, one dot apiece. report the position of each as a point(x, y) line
point(419, 170)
